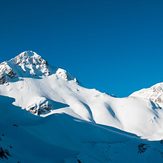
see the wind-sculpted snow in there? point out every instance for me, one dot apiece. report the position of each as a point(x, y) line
point(67, 122)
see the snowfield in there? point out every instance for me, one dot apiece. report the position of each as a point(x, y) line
point(46, 116)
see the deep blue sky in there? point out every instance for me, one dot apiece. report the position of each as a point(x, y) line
point(115, 46)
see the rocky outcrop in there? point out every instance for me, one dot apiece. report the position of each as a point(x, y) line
point(41, 108)
point(2, 79)
point(6, 73)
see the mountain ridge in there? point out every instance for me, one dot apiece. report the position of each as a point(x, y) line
point(85, 125)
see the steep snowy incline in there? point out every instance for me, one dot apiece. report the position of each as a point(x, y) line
point(59, 92)
point(61, 138)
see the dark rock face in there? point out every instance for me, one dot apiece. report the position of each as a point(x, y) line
point(44, 109)
point(11, 74)
point(5, 77)
point(2, 79)
point(4, 153)
point(6, 73)
point(40, 109)
point(142, 148)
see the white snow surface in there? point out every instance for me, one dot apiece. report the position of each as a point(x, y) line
point(71, 123)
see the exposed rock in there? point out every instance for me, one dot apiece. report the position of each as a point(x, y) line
point(4, 153)
point(41, 108)
point(6, 72)
point(142, 148)
point(2, 79)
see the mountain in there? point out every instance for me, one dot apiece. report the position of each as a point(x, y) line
point(46, 116)
point(154, 93)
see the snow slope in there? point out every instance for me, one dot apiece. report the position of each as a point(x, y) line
point(73, 121)
point(62, 138)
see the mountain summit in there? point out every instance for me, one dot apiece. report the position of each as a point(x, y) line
point(29, 64)
point(52, 111)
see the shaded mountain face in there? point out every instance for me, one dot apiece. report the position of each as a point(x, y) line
point(79, 122)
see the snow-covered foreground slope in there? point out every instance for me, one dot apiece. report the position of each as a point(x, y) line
point(62, 138)
point(70, 122)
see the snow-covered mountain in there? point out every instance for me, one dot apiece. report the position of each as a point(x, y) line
point(46, 116)
point(154, 93)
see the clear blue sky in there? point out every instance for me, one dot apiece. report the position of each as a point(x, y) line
point(115, 46)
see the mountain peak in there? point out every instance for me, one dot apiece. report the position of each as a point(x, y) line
point(30, 64)
point(28, 53)
point(154, 93)
point(63, 74)
point(26, 64)
point(28, 57)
